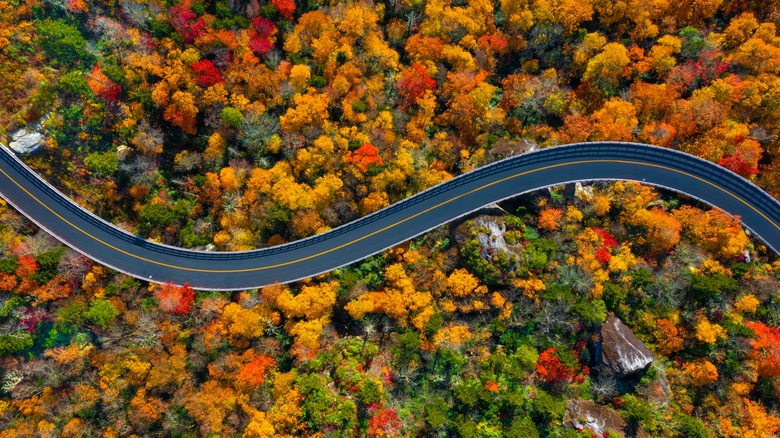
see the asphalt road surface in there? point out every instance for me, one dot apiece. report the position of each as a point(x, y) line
point(108, 245)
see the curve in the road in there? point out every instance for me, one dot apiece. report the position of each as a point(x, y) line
point(111, 246)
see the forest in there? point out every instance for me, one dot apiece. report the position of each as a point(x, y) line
point(230, 125)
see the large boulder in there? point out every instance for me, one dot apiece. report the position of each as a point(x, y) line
point(26, 141)
point(621, 351)
point(586, 414)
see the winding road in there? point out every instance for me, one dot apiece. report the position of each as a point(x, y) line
point(111, 246)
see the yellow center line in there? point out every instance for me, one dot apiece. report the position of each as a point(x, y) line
point(395, 224)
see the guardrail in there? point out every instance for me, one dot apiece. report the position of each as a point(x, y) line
point(590, 151)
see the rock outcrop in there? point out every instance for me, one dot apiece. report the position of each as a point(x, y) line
point(621, 351)
point(488, 230)
point(26, 141)
point(586, 414)
point(29, 139)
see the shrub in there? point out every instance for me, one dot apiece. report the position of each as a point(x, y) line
point(232, 117)
point(102, 163)
point(101, 312)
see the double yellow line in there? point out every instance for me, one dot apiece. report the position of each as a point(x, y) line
point(381, 230)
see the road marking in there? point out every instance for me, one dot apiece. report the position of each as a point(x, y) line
point(393, 225)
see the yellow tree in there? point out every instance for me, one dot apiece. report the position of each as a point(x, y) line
point(707, 332)
point(550, 219)
point(715, 230)
point(181, 111)
point(463, 284)
point(615, 121)
point(312, 302)
point(701, 372)
point(608, 67)
point(399, 300)
point(311, 109)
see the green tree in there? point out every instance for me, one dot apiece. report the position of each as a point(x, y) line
point(101, 312)
point(72, 315)
point(9, 265)
point(74, 82)
point(102, 163)
point(63, 42)
point(639, 412)
point(591, 311)
point(436, 412)
point(232, 117)
point(19, 341)
point(523, 360)
point(546, 408)
point(47, 264)
point(523, 428)
point(156, 217)
point(706, 287)
point(691, 427)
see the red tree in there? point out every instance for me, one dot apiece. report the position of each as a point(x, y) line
point(608, 239)
point(413, 83)
point(208, 75)
point(744, 156)
point(286, 8)
point(550, 368)
point(364, 156)
point(383, 422)
point(495, 42)
point(603, 255)
point(103, 87)
point(261, 33)
point(174, 299)
point(766, 348)
point(187, 23)
point(26, 266)
point(254, 372)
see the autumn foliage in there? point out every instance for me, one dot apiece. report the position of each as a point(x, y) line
point(286, 8)
point(365, 156)
point(701, 372)
point(102, 86)
point(247, 124)
point(766, 348)
point(262, 35)
point(550, 369)
point(254, 373)
point(208, 74)
point(175, 299)
point(187, 23)
point(413, 84)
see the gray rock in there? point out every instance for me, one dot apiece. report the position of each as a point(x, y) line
point(586, 414)
point(491, 234)
point(583, 192)
point(25, 141)
point(621, 351)
point(507, 148)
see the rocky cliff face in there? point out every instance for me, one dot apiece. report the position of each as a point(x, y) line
point(621, 351)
